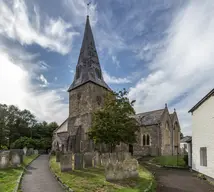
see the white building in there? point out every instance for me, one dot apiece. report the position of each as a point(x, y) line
point(203, 135)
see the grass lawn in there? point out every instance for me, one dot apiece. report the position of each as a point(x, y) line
point(93, 180)
point(170, 161)
point(8, 177)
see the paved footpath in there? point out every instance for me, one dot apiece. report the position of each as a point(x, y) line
point(176, 180)
point(38, 177)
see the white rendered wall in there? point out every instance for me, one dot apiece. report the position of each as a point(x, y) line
point(203, 136)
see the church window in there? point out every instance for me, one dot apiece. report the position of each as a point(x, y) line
point(147, 140)
point(98, 72)
point(144, 140)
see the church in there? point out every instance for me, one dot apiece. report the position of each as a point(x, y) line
point(159, 130)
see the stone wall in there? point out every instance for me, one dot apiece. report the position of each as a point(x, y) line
point(82, 102)
point(153, 149)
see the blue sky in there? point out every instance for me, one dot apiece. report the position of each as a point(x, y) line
point(161, 51)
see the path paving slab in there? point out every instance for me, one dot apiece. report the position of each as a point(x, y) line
point(38, 177)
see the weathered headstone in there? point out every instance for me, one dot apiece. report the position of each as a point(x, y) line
point(104, 159)
point(16, 159)
point(118, 171)
point(4, 159)
point(113, 157)
point(25, 150)
point(127, 155)
point(58, 155)
point(109, 171)
point(66, 162)
point(88, 159)
point(97, 160)
point(30, 152)
point(120, 156)
point(78, 161)
point(36, 152)
point(130, 168)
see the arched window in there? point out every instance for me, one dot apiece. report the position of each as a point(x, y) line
point(147, 140)
point(167, 134)
point(144, 140)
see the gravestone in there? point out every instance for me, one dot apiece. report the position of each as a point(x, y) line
point(30, 152)
point(66, 162)
point(4, 159)
point(97, 160)
point(78, 161)
point(130, 168)
point(58, 155)
point(36, 152)
point(109, 171)
point(16, 159)
point(120, 156)
point(104, 159)
point(118, 171)
point(113, 157)
point(25, 150)
point(127, 155)
point(15, 152)
point(88, 159)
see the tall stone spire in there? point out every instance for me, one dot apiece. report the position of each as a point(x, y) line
point(88, 67)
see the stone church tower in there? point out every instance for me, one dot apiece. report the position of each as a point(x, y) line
point(86, 93)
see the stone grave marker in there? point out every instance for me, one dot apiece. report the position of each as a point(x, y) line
point(118, 171)
point(104, 159)
point(109, 171)
point(16, 159)
point(97, 160)
point(4, 159)
point(78, 161)
point(58, 155)
point(130, 167)
point(120, 156)
point(66, 162)
point(88, 159)
point(25, 150)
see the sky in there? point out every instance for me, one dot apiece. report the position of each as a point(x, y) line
point(161, 51)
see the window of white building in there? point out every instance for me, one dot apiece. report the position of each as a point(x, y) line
point(203, 156)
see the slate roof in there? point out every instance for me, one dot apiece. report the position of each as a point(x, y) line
point(207, 96)
point(88, 67)
point(150, 117)
point(63, 127)
point(186, 139)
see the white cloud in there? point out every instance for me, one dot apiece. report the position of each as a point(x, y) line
point(184, 66)
point(18, 89)
point(114, 80)
point(17, 23)
point(43, 80)
point(116, 61)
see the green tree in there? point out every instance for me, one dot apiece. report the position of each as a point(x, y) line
point(114, 122)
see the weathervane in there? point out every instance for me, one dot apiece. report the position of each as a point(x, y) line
point(88, 8)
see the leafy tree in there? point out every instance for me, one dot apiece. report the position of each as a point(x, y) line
point(114, 122)
point(181, 135)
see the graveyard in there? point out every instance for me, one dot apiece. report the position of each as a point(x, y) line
point(10, 174)
point(103, 172)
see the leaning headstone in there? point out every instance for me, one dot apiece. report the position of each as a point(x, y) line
point(118, 171)
point(109, 171)
point(66, 162)
point(78, 161)
point(88, 159)
point(14, 153)
point(4, 159)
point(130, 168)
point(25, 150)
point(97, 160)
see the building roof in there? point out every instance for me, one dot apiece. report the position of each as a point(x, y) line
point(150, 117)
point(63, 127)
point(186, 139)
point(88, 67)
point(202, 101)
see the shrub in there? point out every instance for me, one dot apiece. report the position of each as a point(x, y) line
point(3, 147)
